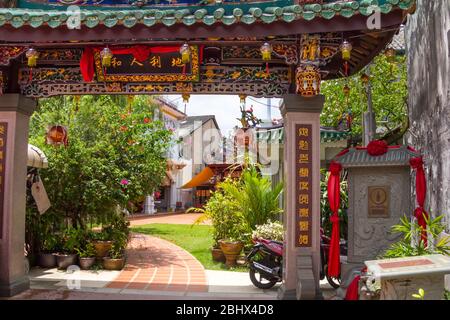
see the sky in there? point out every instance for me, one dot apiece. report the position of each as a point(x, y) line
point(225, 108)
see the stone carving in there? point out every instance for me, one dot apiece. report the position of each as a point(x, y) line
point(369, 237)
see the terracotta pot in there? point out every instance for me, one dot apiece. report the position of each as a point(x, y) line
point(87, 263)
point(217, 255)
point(63, 261)
point(102, 248)
point(231, 251)
point(113, 264)
point(47, 260)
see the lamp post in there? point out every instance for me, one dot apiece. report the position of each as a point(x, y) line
point(369, 123)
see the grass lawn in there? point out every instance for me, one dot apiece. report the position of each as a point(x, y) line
point(196, 239)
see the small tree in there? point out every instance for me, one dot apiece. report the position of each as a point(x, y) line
point(115, 154)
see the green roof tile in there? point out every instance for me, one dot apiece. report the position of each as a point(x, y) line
point(248, 14)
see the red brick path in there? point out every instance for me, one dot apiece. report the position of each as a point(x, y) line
point(179, 218)
point(156, 264)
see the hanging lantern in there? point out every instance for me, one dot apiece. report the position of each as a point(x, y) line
point(130, 99)
point(346, 90)
point(390, 55)
point(106, 55)
point(266, 53)
point(186, 97)
point(365, 78)
point(242, 98)
point(57, 135)
point(346, 50)
point(77, 103)
point(185, 52)
point(32, 56)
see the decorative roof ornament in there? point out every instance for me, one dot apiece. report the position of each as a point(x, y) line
point(308, 80)
point(138, 3)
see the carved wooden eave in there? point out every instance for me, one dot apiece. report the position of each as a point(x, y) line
point(231, 35)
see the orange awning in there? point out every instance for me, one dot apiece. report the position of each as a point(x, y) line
point(199, 179)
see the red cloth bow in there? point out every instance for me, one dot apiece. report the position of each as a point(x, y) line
point(377, 148)
point(334, 199)
point(352, 290)
point(421, 191)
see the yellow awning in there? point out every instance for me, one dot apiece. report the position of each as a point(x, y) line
point(199, 179)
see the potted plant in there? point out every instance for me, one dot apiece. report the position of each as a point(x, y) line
point(116, 259)
point(217, 253)
point(102, 243)
point(226, 219)
point(86, 256)
point(231, 248)
point(47, 258)
point(71, 240)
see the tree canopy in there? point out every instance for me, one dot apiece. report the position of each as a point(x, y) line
point(389, 96)
point(115, 154)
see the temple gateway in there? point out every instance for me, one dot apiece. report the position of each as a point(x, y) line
point(260, 48)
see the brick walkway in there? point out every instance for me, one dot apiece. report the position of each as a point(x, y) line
point(179, 218)
point(159, 265)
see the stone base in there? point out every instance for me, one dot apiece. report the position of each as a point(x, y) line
point(403, 289)
point(284, 294)
point(12, 289)
point(348, 271)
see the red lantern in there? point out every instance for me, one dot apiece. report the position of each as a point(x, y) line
point(57, 135)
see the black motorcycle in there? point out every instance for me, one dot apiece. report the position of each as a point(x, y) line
point(265, 263)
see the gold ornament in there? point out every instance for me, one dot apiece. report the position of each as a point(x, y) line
point(32, 56)
point(346, 50)
point(308, 80)
point(185, 52)
point(186, 97)
point(266, 51)
point(106, 55)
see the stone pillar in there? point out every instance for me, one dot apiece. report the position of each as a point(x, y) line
point(301, 266)
point(15, 111)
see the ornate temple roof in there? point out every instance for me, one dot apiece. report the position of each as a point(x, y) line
point(359, 157)
point(34, 15)
point(270, 135)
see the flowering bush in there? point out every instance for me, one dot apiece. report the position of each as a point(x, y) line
point(270, 230)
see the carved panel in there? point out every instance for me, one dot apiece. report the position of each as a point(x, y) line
point(8, 53)
point(42, 90)
point(254, 81)
point(244, 53)
point(59, 55)
point(370, 236)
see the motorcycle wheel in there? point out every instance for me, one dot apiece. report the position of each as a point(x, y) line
point(259, 283)
point(334, 282)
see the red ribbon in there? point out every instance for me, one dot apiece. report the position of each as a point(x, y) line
point(421, 189)
point(353, 289)
point(334, 199)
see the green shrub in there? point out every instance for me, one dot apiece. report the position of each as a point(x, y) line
point(270, 230)
point(411, 243)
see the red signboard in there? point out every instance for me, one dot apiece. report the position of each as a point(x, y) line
point(3, 136)
point(303, 184)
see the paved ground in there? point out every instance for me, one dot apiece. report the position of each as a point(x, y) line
point(177, 218)
point(156, 264)
point(155, 269)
